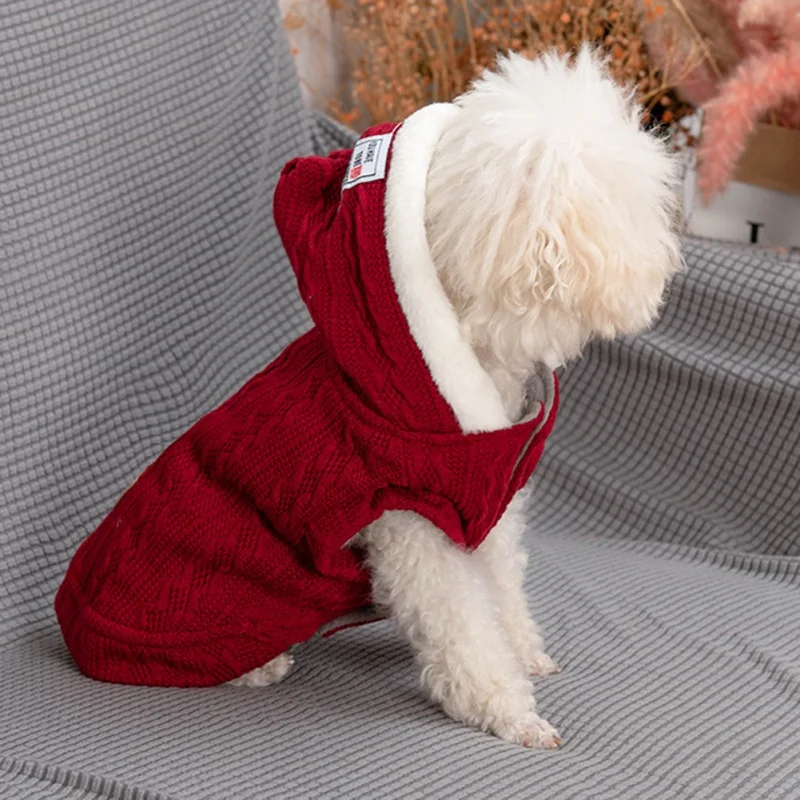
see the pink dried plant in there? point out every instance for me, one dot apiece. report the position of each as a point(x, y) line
point(757, 86)
point(783, 15)
point(766, 82)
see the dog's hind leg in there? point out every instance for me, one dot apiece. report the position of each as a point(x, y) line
point(272, 672)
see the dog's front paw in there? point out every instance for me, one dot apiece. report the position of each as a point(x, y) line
point(540, 664)
point(530, 731)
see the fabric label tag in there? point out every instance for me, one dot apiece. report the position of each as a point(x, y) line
point(368, 162)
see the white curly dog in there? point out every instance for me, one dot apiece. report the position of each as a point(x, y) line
point(551, 218)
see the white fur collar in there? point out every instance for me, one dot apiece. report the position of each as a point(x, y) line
point(452, 362)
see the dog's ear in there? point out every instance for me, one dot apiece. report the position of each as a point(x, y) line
point(607, 263)
point(533, 255)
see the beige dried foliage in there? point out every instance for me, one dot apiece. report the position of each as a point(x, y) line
point(405, 54)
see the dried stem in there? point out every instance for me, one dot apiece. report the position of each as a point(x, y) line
point(707, 54)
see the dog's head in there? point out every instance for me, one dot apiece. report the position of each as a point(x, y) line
point(551, 214)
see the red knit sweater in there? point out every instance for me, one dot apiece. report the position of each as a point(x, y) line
point(230, 548)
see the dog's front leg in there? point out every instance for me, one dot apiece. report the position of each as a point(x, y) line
point(505, 560)
point(439, 599)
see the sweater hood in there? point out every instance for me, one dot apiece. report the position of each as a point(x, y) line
point(382, 312)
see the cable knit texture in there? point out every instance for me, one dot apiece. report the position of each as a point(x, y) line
point(230, 548)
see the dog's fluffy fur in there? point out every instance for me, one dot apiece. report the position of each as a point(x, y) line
point(550, 218)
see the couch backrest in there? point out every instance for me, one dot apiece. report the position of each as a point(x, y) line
point(689, 433)
point(141, 277)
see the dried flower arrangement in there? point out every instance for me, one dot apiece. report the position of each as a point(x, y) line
point(407, 53)
point(735, 59)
